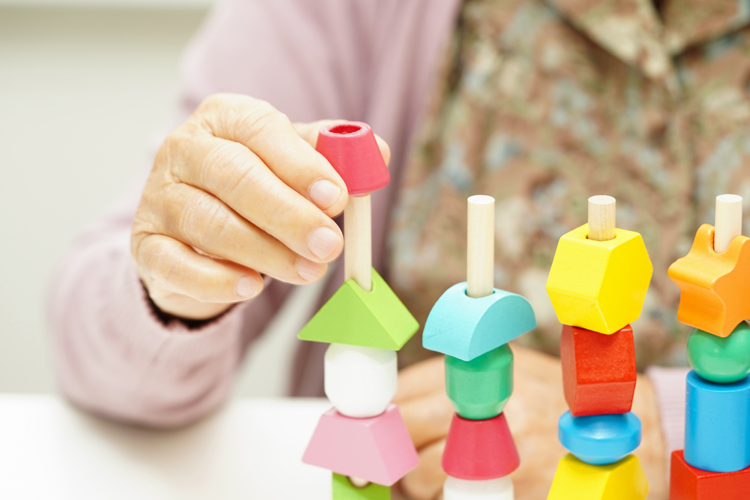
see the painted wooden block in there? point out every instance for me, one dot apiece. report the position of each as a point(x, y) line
point(598, 370)
point(360, 381)
point(343, 489)
point(715, 292)
point(717, 430)
point(500, 488)
point(576, 480)
point(599, 285)
point(480, 388)
point(720, 359)
point(688, 483)
point(352, 150)
point(466, 327)
point(355, 317)
point(478, 450)
point(600, 439)
point(376, 449)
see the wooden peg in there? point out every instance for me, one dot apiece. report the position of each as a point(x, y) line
point(728, 221)
point(480, 268)
point(602, 218)
point(358, 241)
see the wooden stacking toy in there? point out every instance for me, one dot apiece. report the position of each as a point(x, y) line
point(597, 285)
point(471, 324)
point(715, 301)
point(363, 439)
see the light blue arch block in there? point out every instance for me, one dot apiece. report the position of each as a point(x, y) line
point(465, 327)
point(717, 424)
point(600, 439)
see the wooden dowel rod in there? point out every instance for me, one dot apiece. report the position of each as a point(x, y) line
point(602, 218)
point(358, 241)
point(480, 264)
point(728, 221)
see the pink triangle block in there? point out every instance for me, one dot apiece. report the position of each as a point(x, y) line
point(376, 449)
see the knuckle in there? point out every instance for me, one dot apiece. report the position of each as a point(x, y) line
point(260, 118)
point(226, 166)
point(203, 220)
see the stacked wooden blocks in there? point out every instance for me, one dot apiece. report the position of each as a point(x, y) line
point(597, 286)
point(715, 301)
point(363, 439)
point(471, 324)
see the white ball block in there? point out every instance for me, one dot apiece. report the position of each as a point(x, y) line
point(490, 489)
point(360, 381)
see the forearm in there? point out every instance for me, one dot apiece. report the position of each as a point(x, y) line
point(652, 451)
point(115, 358)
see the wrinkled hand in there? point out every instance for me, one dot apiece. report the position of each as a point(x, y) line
point(236, 191)
point(532, 413)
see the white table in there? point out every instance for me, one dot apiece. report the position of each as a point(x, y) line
point(250, 450)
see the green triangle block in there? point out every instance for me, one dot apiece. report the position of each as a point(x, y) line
point(355, 317)
point(343, 489)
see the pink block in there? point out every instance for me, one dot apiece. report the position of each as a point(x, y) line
point(376, 449)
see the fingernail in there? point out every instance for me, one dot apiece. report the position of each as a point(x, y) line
point(246, 287)
point(323, 241)
point(308, 270)
point(324, 193)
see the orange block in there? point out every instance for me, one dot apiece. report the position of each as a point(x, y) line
point(715, 287)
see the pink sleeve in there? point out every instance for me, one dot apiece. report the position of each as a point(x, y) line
point(112, 355)
point(670, 386)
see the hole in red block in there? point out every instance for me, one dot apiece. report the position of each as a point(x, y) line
point(345, 128)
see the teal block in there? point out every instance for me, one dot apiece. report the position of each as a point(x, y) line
point(466, 327)
point(480, 388)
point(343, 489)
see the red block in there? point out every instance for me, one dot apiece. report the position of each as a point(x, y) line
point(598, 370)
point(480, 449)
point(689, 483)
point(353, 151)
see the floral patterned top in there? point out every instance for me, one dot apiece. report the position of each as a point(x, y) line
point(544, 103)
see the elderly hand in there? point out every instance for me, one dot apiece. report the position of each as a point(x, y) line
point(236, 191)
point(532, 412)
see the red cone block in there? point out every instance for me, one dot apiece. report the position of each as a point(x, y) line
point(353, 151)
point(689, 483)
point(598, 370)
point(480, 449)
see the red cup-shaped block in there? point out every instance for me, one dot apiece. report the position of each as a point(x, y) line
point(689, 483)
point(598, 370)
point(480, 449)
point(353, 151)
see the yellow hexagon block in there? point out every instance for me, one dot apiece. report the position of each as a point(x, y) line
point(623, 480)
point(599, 285)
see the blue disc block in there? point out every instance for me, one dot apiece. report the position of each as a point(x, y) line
point(600, 439)
point(717, 424)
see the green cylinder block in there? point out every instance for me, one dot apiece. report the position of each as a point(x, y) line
point(720, 360)
point(480, 388)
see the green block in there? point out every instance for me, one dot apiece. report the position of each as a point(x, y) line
point(480, 388)
point(720, 360)
point(355, 317)
point(343, 489)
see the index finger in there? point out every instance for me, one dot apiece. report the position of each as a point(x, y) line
point(270, 135)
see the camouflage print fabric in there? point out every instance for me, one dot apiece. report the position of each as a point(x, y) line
point(543, 104)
